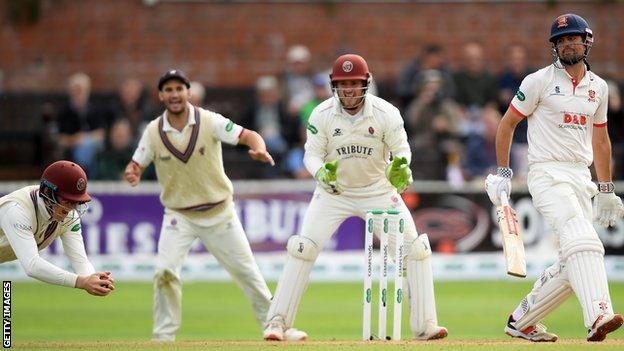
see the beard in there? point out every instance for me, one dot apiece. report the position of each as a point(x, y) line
point(571, 59)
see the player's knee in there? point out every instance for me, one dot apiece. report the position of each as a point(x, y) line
point(164, 276)
point(419, 249)
point(578, 235)
point(303, 248)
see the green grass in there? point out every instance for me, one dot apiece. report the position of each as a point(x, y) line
point(217, 316)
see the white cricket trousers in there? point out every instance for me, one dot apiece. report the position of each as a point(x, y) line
point(227, 242)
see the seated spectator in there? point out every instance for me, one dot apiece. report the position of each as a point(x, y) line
point(120, 146)
point(82, 124)
point(297, 79)
point(269, 118)
point(431, 58)
point(294, 159)
point(480, 155)
point(432, 124)
point(475, 85)
point(132, 105)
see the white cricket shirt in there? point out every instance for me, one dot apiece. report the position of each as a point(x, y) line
point(362, 144)
point(561, 114)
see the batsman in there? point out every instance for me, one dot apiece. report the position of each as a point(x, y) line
point(565, 105)
point(350, 140)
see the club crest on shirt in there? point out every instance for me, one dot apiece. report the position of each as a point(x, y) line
point(202, 150)
point(592, 96)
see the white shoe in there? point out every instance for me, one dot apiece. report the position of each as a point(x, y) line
point(432, 332)
point(535, 333)
point(163, 338)
point(603, 325)
point(274, 330)
point(293, 334)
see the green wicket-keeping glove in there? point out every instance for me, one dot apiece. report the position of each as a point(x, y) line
point(399, 174)
point(327, 178)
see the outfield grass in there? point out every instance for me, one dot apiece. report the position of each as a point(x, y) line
point(217, 316)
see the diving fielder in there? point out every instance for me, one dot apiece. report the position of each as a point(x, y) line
point(566, 107)
point(350, 138)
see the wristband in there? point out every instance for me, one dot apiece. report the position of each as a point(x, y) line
point(606, 187)
point(504, 172)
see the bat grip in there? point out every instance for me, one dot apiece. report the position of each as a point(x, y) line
point(504, 198)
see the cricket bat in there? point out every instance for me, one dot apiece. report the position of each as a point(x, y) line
point(513, 247)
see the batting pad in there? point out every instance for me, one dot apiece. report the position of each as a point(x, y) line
point(589, 281)
point(290, 288)
point(421, 295)
point(548, 293)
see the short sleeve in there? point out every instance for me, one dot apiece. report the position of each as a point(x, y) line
point(225, 130)
point(528, 95)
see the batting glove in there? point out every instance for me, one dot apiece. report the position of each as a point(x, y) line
point(495, 184)
point(399, 174)
point(327, 178)
point(608, 206)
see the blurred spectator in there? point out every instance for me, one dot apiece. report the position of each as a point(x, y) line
point(615, 117)
point(132, 105)
point(198, 93)
point(294, 159)
point(111, 162)
point(475, 85)
point(82, 124)
point(431, 58)
point(269, 118)
point(297, 79)
point(508, 84)
point(432, 123)
point(480, 152)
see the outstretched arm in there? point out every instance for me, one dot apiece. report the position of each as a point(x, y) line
point(257, 147)
point(19, 232)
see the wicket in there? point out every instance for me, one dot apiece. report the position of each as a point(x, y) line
point(391, 223)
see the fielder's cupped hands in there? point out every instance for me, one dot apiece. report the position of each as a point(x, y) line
point(262, 156)
point(97, 284)
point(132, 174)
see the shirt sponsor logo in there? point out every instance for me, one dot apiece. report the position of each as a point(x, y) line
point(574, 121)
point(520, 95)
point(355, 150)
point(312, 129)
point(592, 96)
point(337, 132)
point(164, 157)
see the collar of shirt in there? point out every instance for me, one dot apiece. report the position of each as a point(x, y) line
point(42, 211)
point(366, 111)
point(191, 120)
point(569, 77)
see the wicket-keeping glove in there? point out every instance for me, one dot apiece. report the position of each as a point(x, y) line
point(399, 174)
point(327, 178)
point(495, 184)
point(609, 206)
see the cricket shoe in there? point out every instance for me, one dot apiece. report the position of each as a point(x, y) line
point(535, 333)
point(603, 325)
point(432, 332)
point(274, 330)
point(293, 334)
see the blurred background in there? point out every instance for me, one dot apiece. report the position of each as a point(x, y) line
point(78, 81)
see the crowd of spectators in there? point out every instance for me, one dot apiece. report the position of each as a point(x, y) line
point(451, 116)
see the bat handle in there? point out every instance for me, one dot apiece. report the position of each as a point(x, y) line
point(504, 198)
